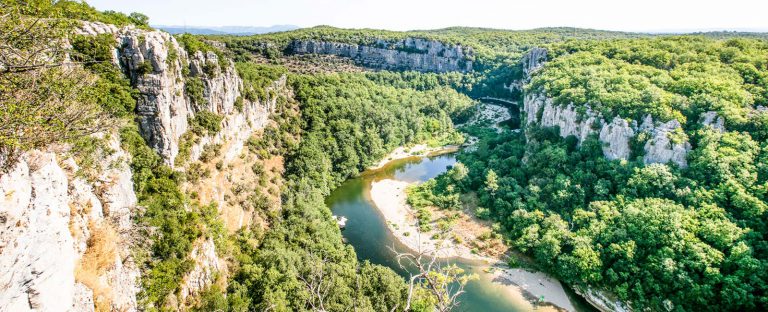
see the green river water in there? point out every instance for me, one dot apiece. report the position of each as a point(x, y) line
point(367, 232)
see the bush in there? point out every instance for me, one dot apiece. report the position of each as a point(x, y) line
point(80, 10)
point(205, 123)
point(195, 91)
point(239, 105)
point(176, 224)
point(145, 67)
point(210, 152)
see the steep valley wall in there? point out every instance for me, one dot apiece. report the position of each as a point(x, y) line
point(54, 219)
point(407, 54)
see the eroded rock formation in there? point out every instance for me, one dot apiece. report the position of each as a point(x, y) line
point(663, 146)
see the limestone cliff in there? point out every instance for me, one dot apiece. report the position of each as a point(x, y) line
point(407, 54)
point(661, 147)
point(533, 60)
point(164, 108)
point(600, 301)
point(665, 142)
point(51, 222)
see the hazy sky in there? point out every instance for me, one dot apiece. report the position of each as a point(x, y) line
point(636, 15)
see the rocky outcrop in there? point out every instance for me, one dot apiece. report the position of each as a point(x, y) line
point(156, 64)
point(154, 61)
point(713, 120)
point(162, 107)
point(237, 127)
point(222, 85)
point(207, 265)
point(407, 54)
point(540, 110)
point(49, 214)
point(533, 60)
point(666, 142)
point(601, 302)
point(616, 136)
point(38, 251)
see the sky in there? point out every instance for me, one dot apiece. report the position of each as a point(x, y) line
point(642, 15)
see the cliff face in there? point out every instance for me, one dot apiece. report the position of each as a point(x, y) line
point(407, 54)
point(163, 107)
point(533, 60)
point(615, 135)
point(53, 220)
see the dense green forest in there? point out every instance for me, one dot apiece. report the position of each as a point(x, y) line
point(656, 236)
point(336, 126)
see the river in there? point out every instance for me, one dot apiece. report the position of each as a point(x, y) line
point(367, 232)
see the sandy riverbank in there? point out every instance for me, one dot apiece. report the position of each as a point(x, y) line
point(419, 150)
point(389, 197)
point(534, 285)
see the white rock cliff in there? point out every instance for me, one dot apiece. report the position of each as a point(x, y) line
point(47, 217)
point(410, 53)
point(615, 135)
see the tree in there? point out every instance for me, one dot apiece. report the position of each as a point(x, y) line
point(40, 98)
point(459, 172)
point(139, 19)
point(491, 182)
point(444, 282)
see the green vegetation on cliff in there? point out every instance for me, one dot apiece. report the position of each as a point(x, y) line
point(657, 237)
point(668, 78)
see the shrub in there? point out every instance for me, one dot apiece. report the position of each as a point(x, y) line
point(195, 91)
point(483, 213)
point(210, 69)
point(145, 67)
point(210, 152)
point(185, 147)
point(205, 123)
point(239, 105)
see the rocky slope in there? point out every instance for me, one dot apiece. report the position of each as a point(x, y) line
point(410, 53)
point(65, 240)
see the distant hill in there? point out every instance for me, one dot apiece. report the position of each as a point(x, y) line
point(225, 30)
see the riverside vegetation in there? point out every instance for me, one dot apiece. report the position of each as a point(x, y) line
point(654, 236)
